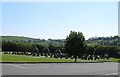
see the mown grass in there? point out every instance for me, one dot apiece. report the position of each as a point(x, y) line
point(18, 58)
point(23, 58)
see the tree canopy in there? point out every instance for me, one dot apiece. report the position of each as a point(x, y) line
point(75, 43)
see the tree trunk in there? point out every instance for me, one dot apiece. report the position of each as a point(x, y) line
point(75, 58)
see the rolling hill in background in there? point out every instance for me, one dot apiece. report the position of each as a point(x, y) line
point(33, 40)
point(112, 40)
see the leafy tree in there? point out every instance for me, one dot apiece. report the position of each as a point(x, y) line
point(35, 50)
point(100, 50)
point(113, 51)
point(40, 48)
point(90, 50)
point(8, 46)
point(75, 44)
point(52, 49)
point(46, 51)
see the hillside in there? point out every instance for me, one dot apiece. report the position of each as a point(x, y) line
point(16, 38)
point(32, 40)
point(113, 40)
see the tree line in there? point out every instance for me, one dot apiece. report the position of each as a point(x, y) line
point(74, 46)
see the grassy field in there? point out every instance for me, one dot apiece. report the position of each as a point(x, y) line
point(20, 58)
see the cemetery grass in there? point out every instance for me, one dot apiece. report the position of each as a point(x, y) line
point(24, 58)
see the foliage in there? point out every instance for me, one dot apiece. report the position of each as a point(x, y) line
point(72, 47)
point(75, 44)
point(111, 41)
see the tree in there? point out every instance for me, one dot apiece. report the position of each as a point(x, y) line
point(24, 48)
point(8, 46)
point(75, 44)
point(90, 50)
point(52, 49)
point(35, 50)
point(46, 51)
point(40, 48)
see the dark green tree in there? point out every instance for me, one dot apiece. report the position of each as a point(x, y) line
point(75, 44)
point(46, 51)
point(8, 46)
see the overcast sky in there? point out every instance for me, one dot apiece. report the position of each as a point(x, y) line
point(55, 20)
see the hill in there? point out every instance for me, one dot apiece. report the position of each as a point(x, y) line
point(33, 40)
point(112, 40)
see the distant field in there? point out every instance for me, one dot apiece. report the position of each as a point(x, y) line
point(20, 58)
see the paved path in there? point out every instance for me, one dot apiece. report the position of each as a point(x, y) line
point(60, 69)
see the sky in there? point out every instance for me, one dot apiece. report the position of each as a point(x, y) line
point(55, 20)
point(60, 0)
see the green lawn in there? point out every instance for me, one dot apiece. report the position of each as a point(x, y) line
point(17, 58)
point(20, 58)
